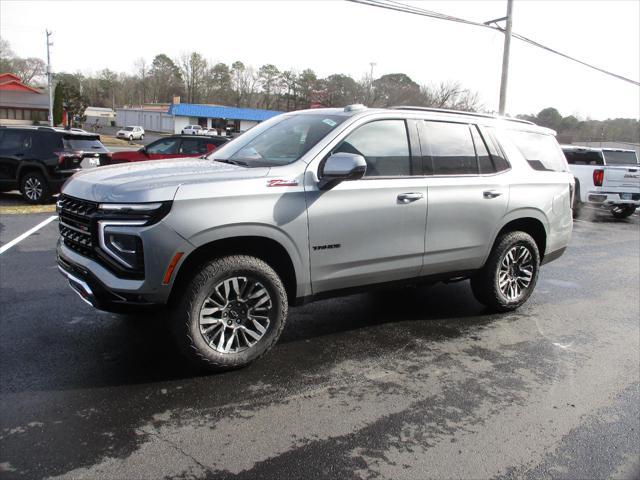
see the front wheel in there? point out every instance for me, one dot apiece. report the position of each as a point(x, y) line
point(510, 274)
point(34, 188)
point(131, 138)
point(231, 313)
point(623, 211)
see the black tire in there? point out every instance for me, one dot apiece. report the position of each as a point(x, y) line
point(34, 188)
point(142, 137)
point(486, 283)
point(577, 204)
point(185, 314)
point(131, 138)
point(622, 211)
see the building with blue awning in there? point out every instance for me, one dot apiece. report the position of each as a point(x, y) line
point(176, 116)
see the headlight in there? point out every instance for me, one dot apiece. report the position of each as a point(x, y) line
point(118, 231)
point(119, 242)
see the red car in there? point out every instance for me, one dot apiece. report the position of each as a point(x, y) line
point(175, 146)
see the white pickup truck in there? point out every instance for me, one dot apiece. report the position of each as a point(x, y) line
point(605, 177)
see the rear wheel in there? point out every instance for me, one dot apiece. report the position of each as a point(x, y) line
point(231, 313)
point(622, 211)
point(142, 137)
point(34, 188)
point(510, 274)
point(577, 204)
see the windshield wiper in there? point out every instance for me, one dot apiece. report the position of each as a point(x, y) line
point(232, 162)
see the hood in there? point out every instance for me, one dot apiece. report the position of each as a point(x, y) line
point(153, 181)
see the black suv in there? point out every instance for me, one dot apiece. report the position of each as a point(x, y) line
point(38, 160)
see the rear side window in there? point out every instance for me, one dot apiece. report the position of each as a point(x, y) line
point(48, 143)
point(540, 150)
point(585, 157)
point(384, 145)
point(15, 141)
point(485, 164)
point(192, 146)
point(450, 147)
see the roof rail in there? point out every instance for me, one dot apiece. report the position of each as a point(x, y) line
point(461, 112)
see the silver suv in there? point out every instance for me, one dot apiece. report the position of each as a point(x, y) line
point(312, 204)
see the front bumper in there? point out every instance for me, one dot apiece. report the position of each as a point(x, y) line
point(610, 199)
point(104, 289)
point(95, 293)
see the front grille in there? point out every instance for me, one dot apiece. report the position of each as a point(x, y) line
point(76, 225)
point(79, 231)
point(76, 206)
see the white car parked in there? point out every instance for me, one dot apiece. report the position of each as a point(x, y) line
point(131, 133)
point(192, 130)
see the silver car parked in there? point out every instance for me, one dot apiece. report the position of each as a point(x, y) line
point(312, 204)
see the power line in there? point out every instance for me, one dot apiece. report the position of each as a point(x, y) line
point(401, 7)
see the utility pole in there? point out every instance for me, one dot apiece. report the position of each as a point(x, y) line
point(505, 59)
point(49, 78)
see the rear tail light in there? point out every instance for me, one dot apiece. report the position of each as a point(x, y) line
point(598, 177)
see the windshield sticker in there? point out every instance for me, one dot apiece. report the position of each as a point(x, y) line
point(329, 122)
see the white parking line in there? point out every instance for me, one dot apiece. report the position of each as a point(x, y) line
point(17, 240)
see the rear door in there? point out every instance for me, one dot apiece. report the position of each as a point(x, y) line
point(14, 147)
point(468, 195)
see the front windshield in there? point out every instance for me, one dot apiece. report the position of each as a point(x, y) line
point(620, 157)
point(279, 141)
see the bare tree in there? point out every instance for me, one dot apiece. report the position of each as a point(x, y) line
point(142, 71)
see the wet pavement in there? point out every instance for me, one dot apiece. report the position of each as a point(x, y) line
point(412, 383)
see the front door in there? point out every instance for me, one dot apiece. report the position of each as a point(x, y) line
point(369, 230)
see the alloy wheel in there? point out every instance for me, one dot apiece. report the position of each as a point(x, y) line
point(516, 272)
point(33, 188)
point(236, 315)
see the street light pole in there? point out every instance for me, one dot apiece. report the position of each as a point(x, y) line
point(49, 79)
point(505, 59)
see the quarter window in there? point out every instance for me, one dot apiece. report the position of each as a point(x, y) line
point(541, 150)
point(450, 148)
point(384, 145)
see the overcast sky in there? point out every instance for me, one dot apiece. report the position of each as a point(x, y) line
point(341, 37)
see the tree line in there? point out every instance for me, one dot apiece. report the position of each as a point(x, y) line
point(197, 80)
point(571, 129)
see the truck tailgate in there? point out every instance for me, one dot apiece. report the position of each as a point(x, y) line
point(621, 178)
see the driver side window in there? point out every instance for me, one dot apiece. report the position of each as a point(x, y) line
point(384, 144)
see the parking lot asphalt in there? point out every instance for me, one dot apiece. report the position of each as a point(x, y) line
point(413, 383)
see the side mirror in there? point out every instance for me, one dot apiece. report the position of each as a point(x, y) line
point(340, 167)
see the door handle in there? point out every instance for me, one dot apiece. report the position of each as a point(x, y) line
point(491, 194)
point(409, 197)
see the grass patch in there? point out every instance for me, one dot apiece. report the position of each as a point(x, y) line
point(117, 142)
point(22, 209)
